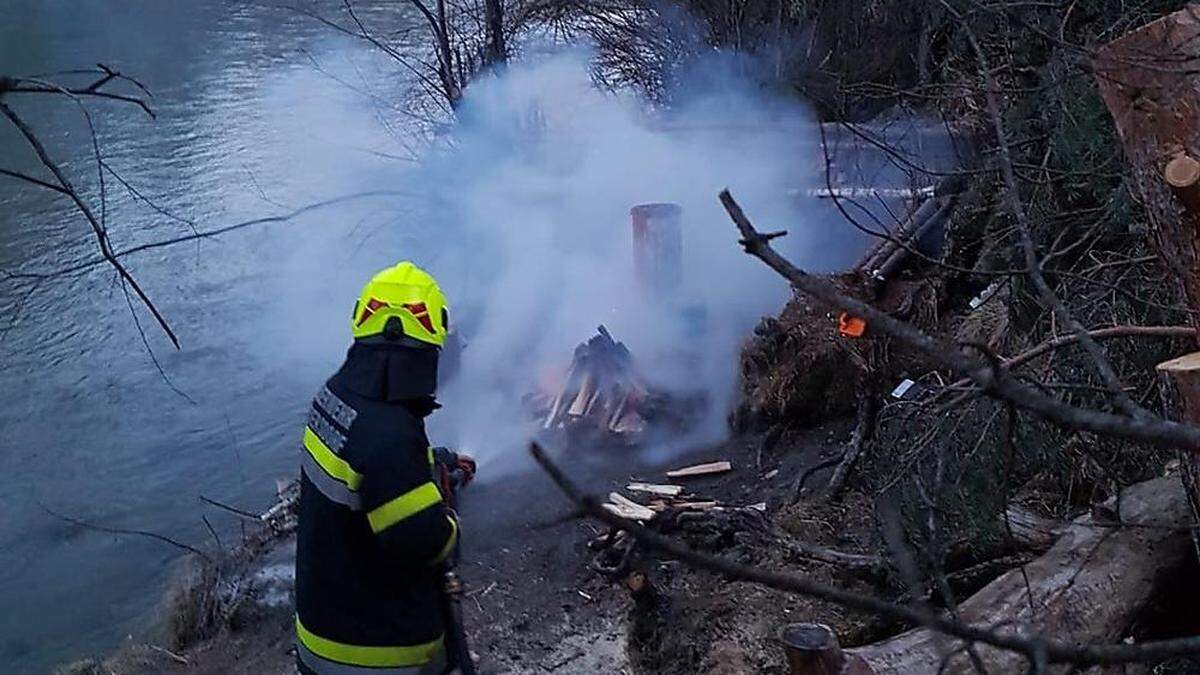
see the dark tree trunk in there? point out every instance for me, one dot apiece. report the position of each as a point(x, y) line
point(497, 50)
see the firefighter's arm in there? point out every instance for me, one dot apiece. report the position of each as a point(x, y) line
point(405, 508)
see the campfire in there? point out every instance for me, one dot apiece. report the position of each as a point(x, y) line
point(602, 390)
point(603, 396)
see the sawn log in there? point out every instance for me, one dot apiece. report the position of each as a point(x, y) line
point(1090, 586)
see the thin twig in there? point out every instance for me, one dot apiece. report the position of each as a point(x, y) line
point(124, 531)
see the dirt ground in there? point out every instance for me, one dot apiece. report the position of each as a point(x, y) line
point(534, 605)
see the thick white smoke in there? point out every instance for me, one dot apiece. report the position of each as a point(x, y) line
point(532, 218)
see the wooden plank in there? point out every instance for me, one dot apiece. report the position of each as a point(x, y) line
point(656, 489)
point(701, 470)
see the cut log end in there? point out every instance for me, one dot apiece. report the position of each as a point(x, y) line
point(1182, 172)
point(812, 649)
point(1182, 364)
point(808, 637)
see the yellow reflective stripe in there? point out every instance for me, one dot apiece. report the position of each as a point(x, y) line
point(431, 455)
point(450, 541)
point(414, 501)
point(335, 466)
point(373, 657)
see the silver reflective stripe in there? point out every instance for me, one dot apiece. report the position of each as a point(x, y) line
point(323, 666)
point(339, 410)
point(333, 489)
point(329, 434)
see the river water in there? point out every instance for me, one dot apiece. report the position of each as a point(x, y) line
point(260, 110)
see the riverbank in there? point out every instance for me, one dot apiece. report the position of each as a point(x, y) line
point(534, 602)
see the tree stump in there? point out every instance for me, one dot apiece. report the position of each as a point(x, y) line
point(1180, 382)
point(1148, 81)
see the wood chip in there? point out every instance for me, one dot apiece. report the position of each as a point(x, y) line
point(701, 470)
point(652, 488)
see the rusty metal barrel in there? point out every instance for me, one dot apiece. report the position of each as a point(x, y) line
point(658, 247)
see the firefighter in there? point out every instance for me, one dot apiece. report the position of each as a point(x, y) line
point(374, 526)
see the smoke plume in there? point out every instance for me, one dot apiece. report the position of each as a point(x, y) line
point(534, 244)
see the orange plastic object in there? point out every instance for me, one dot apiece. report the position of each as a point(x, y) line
point(851, 326)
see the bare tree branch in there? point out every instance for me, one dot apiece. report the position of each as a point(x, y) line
point(1035, 647)
point(97, 226)
point(992, 380)
point(125, 531)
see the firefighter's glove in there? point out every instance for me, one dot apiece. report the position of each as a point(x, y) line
point(466, 465)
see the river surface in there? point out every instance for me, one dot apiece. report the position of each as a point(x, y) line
point(260, 110)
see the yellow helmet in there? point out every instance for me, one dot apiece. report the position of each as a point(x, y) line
point(408, 293)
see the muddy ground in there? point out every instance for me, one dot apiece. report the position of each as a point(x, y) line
point(535, 606)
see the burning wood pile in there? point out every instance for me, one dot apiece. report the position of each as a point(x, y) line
point(602, 390)
point(603, 396)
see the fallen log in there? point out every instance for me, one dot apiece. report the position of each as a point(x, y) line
point(1030, 531)
point(1089, 587)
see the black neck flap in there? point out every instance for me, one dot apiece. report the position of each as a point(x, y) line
point(391, 373)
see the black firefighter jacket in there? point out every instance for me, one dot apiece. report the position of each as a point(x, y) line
point(373, 531)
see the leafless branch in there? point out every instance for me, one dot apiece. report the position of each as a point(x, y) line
point(991, 380)
point(1035, 647)
point(125, 531)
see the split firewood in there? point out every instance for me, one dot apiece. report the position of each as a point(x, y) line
point(636, 510)
point(639, 514)
point(585, 396)
point(694, 506)
point(701, 470)
point(663, 490)
point(622, 500)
